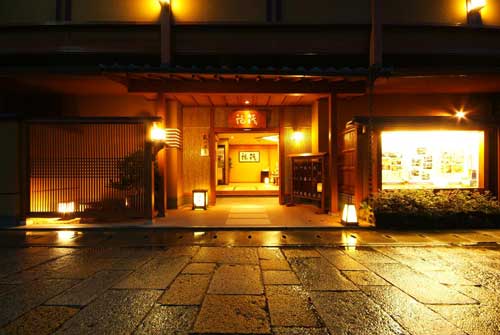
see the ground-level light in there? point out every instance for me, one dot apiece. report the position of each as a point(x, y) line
point(200, 199)
point(349, 215)
point(66, 207)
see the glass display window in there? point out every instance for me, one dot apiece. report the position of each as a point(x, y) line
point(432, 159)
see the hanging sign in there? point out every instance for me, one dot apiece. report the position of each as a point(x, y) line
point(247, 119)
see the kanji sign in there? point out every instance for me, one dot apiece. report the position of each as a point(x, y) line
point(247, 119)
point(249, 156)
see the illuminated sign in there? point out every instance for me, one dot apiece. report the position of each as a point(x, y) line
point(432, 159)
point(247, 119)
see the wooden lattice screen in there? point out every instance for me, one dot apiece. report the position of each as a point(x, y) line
point(353, 165)
point(89, 168)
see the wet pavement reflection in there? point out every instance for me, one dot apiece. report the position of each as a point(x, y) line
point(250, 282)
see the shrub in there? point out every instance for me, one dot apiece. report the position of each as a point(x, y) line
point(434, 205)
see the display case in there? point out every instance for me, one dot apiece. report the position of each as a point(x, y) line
point(309, 179)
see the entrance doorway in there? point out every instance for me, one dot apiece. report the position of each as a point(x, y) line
point(247, 163)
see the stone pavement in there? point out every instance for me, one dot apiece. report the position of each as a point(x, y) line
point(250, 283)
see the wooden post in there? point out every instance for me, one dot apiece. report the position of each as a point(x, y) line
point(282, 163)
point(333, 152)
point(24, 175)
point(148, 176)
point(166, 34)
point(212, 150)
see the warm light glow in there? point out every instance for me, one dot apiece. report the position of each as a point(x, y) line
point(198, 233)
point(271, 138)
point(247, 102)
point(32, 221)
point(157, 134)
point(475, 5)
point(432, 159)
point(66, 235)
point(298, 136)
point(460, 114)
point(266, 180)
point(200, 199)
point(349, 215)
point(319, 187)
point(350, 241)
point(66, 207)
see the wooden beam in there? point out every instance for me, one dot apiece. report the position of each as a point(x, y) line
point(136, 85)
point(333, 149)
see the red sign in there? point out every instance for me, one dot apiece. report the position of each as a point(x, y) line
point(247, 119)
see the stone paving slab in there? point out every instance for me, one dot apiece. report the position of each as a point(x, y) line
point(199, 268)
point(156, 274)
point(412, 315)
point(367, 256)
point(178, 320)
point(42, 320)
point(180, 251)
point(362, 278)
point(115, 312)
point(352, 313)
point(300, 253)
point(419, 286)
point(274, 264)
point(227, 255)
point(342, 262)
point(186, 290)
point(233, 314)
point(299, 331)
point(473, 319)
point(317, 274)
point(280, 278)
point(289, 306)
point(270, 253)
point(236, 279)
point(89, 289)
point(28, 296)
point(5, 288)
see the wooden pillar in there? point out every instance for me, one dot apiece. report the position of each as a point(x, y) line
point(319, 126)
point(376, 52)
point(497, 154)
point(212, 150)
point(282, 158)
point(148, 175)
point(333, 152)
point(174, 180)
point(166, 34)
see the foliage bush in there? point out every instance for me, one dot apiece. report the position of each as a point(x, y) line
point(433, 205)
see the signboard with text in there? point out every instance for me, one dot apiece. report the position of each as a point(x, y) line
point(247, 119)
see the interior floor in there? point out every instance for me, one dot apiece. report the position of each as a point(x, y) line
point(248, 187)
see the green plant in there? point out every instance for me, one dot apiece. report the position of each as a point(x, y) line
point(433, 203)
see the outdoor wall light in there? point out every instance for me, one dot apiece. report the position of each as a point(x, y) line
point(200, 199)
point(349, 215)
point(460, 114)
point(157, 134)
point(474, 11)
point(298, 136)
point(475, 5)
point(164, 3)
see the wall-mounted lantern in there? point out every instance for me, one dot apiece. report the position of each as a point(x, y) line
point(297, 136)
point(200, 199)
point(474, 11)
